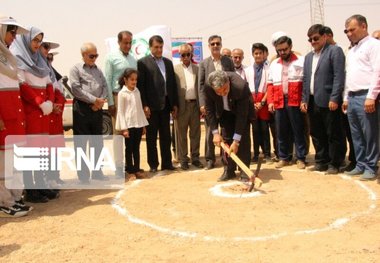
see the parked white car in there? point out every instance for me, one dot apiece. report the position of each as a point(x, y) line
point(68, 111)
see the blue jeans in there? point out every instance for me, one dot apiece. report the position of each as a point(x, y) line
point(365, 132)
point(289, 125)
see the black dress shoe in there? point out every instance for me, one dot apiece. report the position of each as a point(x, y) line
point(34, 196)
point(226, 176)
point(184, 166)
point(209, 165)
point(153, 170)
point(197, 164)
point(349, 167)
point(51, 194)
point(223, 177)
point(319, 167)
point(332, 170)
point(170, 168)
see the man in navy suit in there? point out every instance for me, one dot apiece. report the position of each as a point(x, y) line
point(323, 84)
point(159, 97)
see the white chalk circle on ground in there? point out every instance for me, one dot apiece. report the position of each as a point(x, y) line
point(117, 204)
point(218, 190)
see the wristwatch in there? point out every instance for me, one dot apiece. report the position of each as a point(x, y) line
point(262, 103)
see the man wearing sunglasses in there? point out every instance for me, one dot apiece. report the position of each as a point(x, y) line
point(361, 96)
point(188, 118)
point(214, 62)
point(90, 90)
point(323, 85)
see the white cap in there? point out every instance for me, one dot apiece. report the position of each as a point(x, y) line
point(277, 35)
point(6, 20)
point(51, 43)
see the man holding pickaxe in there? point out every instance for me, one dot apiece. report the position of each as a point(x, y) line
point(229, 102)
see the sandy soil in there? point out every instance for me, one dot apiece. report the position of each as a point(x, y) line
point(296, 216)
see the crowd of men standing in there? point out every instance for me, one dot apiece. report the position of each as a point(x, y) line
point(292, 96)
point(326, 94)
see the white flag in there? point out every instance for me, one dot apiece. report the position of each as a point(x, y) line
point(140, 43)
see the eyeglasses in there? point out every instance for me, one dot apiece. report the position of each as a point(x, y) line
point(213, 44)
point(282, 50)
point(186, 55)
point(38, 41)
point(315, 39)
point(13, 33)
point(12, 28)
point(46, 46)
point(346, 31)
point(92, 56)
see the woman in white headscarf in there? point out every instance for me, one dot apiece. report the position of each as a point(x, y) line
point(37, 96)
point(12, 118)
point(56, 118)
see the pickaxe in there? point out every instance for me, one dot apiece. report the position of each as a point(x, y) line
point(253, 176)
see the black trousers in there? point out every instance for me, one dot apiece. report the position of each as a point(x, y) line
point(132, 150)
point(326, 131)
point(87, 122)
point(227, 122)
point(209, 144)
point(159, 123)
point(261, 138)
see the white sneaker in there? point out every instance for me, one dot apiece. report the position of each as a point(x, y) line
point(12, 211)
point(23, 206)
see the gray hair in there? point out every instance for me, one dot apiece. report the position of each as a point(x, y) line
point(86, 46)
point(217, 79)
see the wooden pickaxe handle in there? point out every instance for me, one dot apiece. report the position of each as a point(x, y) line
point(253, 177)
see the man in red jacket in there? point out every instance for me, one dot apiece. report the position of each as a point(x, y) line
point(284, 97)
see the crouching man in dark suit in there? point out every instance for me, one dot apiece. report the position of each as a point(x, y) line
point(228, 101)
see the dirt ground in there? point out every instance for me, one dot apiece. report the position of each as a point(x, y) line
point(186, 216)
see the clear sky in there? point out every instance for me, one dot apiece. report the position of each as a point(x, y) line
point(239, 22)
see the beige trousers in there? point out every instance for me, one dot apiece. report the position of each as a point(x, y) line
point(9, 176)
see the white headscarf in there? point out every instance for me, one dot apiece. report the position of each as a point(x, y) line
point(277, 35)
point(8, 63)
point(26, 59)
point(52, 46)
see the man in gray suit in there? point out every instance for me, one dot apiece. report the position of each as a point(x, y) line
point(215, 62)
point(323, 84)
point(188, 117)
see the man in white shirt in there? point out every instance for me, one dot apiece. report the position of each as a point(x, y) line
point(188, 118)
point(360, 96)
